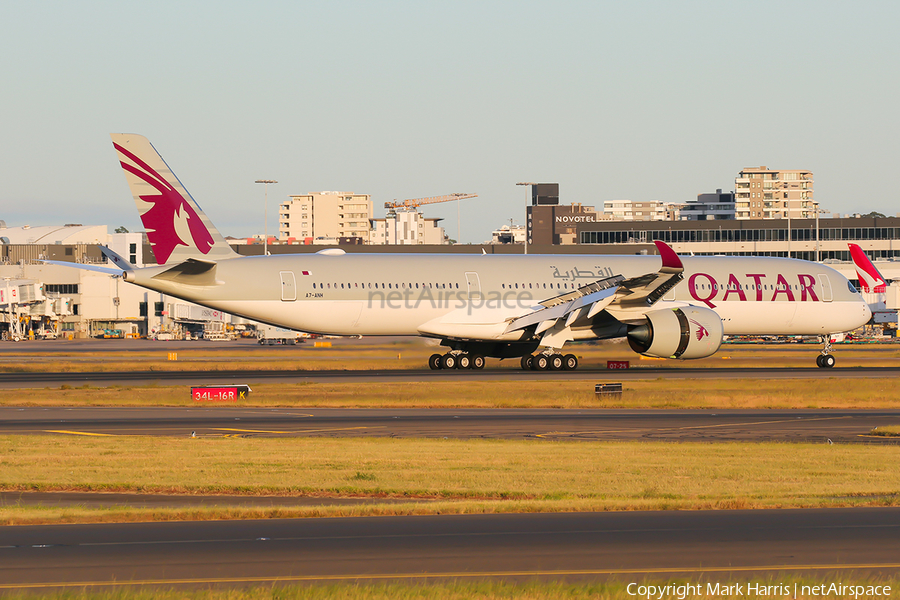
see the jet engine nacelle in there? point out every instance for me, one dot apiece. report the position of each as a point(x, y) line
point(686, 332)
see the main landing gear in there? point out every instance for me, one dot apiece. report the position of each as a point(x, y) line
point(456, 360)
point(826, 359)
point(550, 361)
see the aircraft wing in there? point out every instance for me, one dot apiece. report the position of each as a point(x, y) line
point(646, 290)
point(612, 293)
point(595, 296)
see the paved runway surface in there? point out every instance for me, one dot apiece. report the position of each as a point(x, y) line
point(25, 380)
point(837, 425)
point(587, 546)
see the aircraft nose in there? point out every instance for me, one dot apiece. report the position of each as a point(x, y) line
point(867, 311)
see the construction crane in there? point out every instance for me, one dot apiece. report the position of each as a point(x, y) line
point(432, 200)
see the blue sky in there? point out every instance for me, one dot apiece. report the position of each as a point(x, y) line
point(644, 100)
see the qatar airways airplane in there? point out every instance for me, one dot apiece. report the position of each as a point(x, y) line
point(479, 306)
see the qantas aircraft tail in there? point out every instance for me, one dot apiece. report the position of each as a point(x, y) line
point(176, 226)
point(870, 280)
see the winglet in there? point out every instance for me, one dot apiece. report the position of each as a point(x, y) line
point(670, 261)
point(870, 280)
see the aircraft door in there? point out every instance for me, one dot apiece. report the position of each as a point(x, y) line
point(473, 285)
point(827, 295)
point(288, 286)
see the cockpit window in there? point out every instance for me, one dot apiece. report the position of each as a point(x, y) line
point(852, 289)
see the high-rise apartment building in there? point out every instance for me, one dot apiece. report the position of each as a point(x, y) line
point(325, 216)
point(763, 193)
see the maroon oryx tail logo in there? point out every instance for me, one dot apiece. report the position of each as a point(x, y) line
point(168, 206)
point(702, 332)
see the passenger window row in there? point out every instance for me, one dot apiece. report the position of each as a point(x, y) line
point(385, 286)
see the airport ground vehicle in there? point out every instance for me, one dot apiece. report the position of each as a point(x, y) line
point(271, 336)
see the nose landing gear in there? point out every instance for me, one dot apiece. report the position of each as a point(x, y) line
point(826, 360)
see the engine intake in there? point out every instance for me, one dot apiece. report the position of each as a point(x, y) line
point(687, 332)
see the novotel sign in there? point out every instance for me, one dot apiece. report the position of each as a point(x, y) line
point(575, 219)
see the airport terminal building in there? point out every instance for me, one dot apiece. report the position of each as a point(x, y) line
point(37, 297)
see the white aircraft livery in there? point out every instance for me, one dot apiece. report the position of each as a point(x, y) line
point(479, 306)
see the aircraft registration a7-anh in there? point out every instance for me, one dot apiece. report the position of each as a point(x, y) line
point(479, 306)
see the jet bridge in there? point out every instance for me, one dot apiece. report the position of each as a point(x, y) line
point(26, 312)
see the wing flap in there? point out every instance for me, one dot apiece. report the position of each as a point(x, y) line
point(600, 291)
point(557, 314)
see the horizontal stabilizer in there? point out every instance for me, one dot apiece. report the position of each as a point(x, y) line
point(84, 267)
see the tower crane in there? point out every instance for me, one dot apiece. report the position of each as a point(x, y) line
point(413, 203)
point(416, 202)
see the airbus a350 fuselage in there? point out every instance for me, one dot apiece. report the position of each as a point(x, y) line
point(391, 294)
point(482, 305)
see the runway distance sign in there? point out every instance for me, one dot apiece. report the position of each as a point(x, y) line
point(220, 393)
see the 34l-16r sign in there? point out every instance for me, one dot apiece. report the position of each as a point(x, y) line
point(220, 393)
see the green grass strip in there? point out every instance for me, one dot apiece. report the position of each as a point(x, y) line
point(457, 475)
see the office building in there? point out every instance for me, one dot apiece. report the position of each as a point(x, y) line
point(629, 210)
point(709, 207)
point(508, 234)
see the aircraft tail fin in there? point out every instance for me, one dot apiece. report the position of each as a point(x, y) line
point(870, 280)
point(177, 227)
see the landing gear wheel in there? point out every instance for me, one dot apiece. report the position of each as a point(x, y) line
point(448, 361)
point(526, 362)
point(570, 362)
point(556, 362)
point(434, 362)
point(477, 362)
point(826, 360)
point(540, 363)
point(464, 361)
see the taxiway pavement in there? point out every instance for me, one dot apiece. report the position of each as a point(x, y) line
point(822, 426)
point(718, 545)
